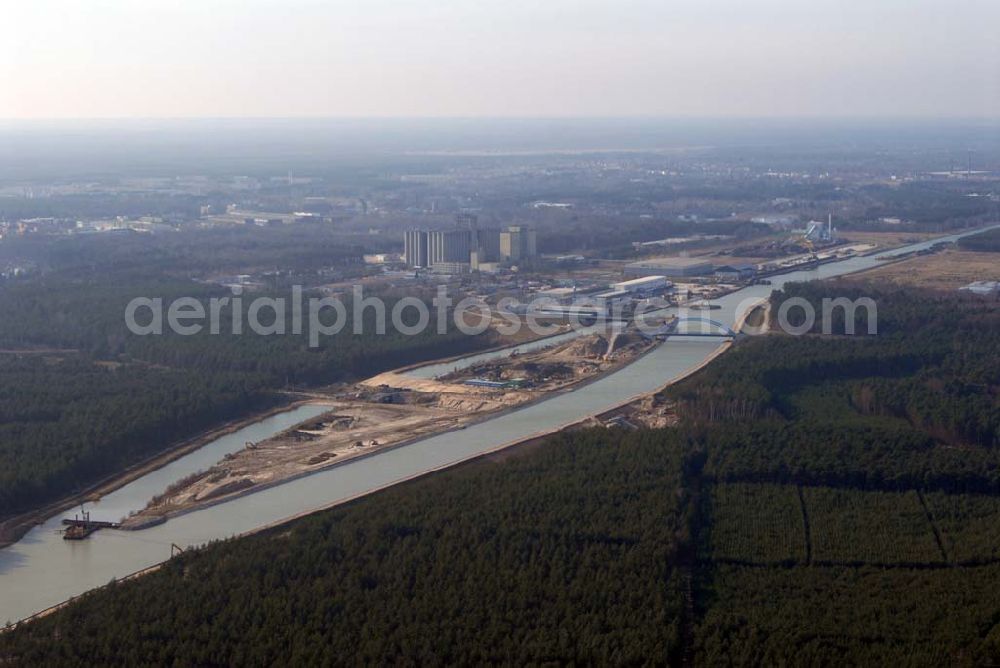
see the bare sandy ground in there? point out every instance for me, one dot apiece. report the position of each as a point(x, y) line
point(388, 410)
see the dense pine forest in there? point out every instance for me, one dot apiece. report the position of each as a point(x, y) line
point(186, 251)
point(915, 405)
point(825, 499)
point(566, 552)
point(67, 421)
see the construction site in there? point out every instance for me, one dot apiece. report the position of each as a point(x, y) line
point(393, 409)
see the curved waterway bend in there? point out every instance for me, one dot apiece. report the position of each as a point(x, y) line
point(42, 570)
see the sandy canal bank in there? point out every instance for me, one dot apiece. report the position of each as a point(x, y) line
point(391, 410)
point(14, 528)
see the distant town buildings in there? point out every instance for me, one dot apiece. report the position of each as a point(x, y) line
point(234, 215)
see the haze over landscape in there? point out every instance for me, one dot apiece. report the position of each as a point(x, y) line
point(715, 58)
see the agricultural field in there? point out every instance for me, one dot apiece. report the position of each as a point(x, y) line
point(969, 525)
point(948, 270)
point(855, 527)
point(860, 616)
point(755, 523)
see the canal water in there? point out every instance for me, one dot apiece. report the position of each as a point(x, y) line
point(42, 570)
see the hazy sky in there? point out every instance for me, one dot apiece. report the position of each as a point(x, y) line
point(159, 58)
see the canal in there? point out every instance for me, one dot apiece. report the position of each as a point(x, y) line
point(42, 570)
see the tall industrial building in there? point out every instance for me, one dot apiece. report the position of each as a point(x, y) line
point(487, 244)
point(467, 221)
point(517, 243)
point(469, 246)
point(415, 248)
point(422, 248)
point(448, 246)
point(484, 242)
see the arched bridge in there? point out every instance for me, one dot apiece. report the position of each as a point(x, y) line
point(705, 327)
point(720, 329)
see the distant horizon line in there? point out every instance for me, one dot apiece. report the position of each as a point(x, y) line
point(526, 117)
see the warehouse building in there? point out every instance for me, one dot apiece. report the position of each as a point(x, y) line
point(558, 295)
point(669, 266)
point(611, 300)
point(645, 286)
point(735, 272)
